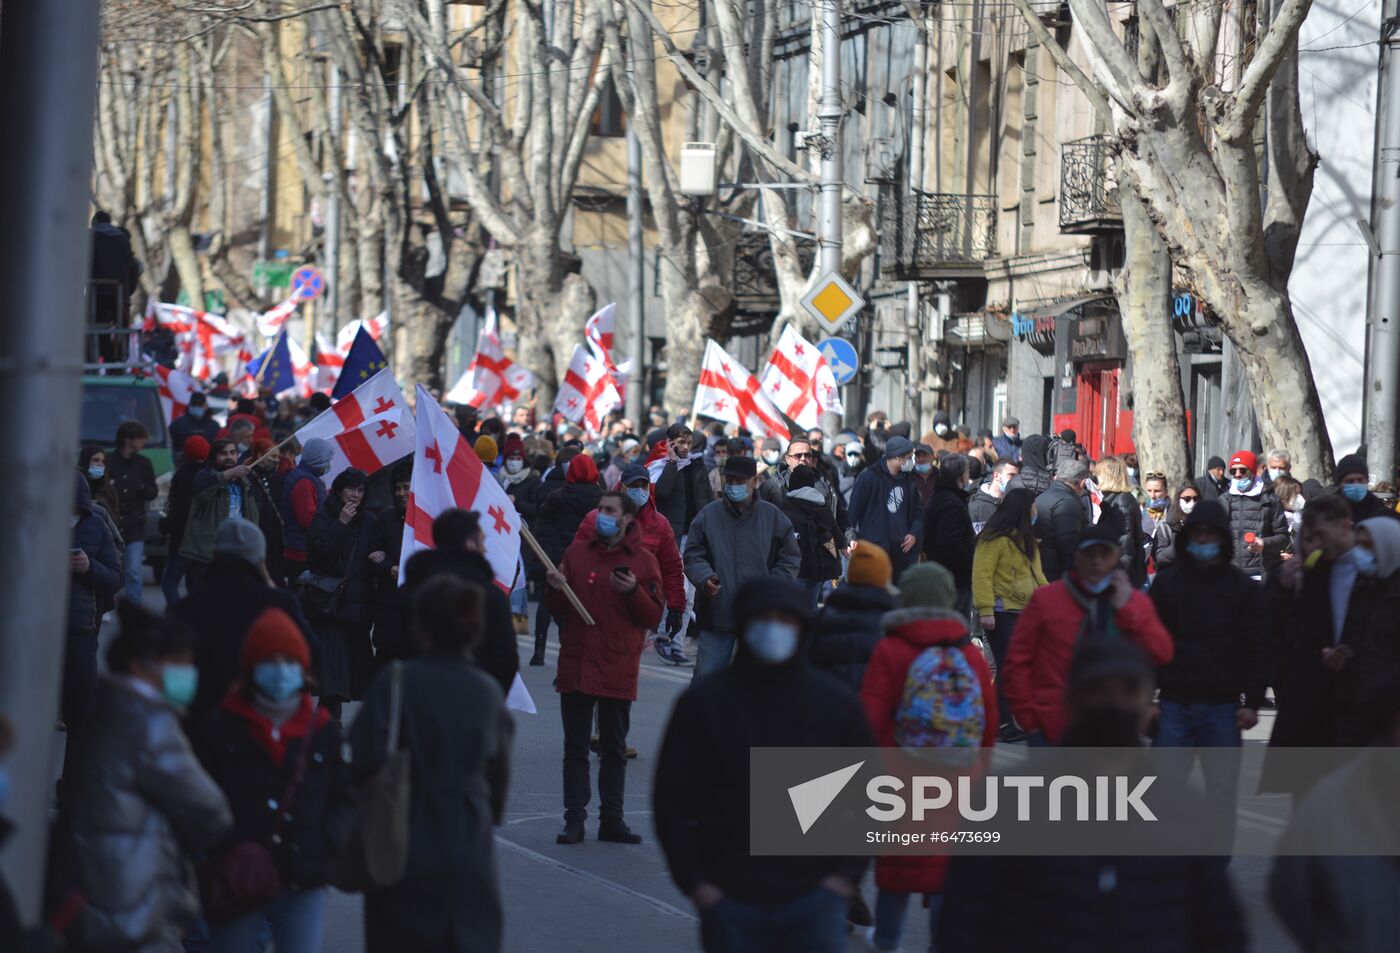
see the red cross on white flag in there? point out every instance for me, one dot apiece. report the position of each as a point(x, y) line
point(373, 445)
point(175, 389)
point(270, 321)
point(201, 338)
point(800, 380)
point(600, 332)
point(379, 396)
point(492, 378)
point(377, 326)
point(728, 392)
point(587, 392)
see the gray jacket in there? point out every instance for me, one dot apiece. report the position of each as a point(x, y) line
point(756, 542)
point(143, 806)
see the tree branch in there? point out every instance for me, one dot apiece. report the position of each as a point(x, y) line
point(1280, 40)
point(1068, 66)
point(1178, 65)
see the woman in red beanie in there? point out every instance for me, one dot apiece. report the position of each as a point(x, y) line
point(277, 757)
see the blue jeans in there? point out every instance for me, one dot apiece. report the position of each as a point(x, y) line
point(814, 589)
point(1206, 731)
point(713, 652)
point(298, 919)
point(813, 923)
point(132, 562)
point(890, 910)
point(170, 579)
point(520, 600)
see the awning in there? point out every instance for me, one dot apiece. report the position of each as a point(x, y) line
point(977, 329)
point(1035, 321)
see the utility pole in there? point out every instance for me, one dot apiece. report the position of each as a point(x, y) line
point(636, 312)
point(829, 115)
point(332, 235)
point(1383, 374)
point(48, 71)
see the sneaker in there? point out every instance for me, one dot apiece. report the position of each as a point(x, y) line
point(616, 831)
point(857, 912)
point(537, 660)
point(571, 834)
point(662, 645)
point(675, 654)
point(522, 624)
point(630, 753)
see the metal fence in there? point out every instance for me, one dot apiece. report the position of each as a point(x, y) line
point(1088, 186)
point(931, 232)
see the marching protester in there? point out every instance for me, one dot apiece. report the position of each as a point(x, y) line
point(459, 549)
point(177, 514)
point(885, 507)
point(777, 481)
point(1008, 444)
point(92, 464)
point(1120, 509)
point(925, 477)
point(194, 422)
point(732, 541)
point(303, 495)
point(561, 513)
point(1061, 515)
point(1290, 496)
point(1221, 654)
point(277, 757)
point(769, 697)
point(142, 805)
point(454, 726)
point(619, 584)
point(221, 491)
point(850, 461)
point(905, 694)
point(1094, 600)
point(1214, 481)
point(1352, 480)
point(682, 488)
point(1256, 518)
point(1277, 463)
point(134, 480)
point(818, 537)
point(983, 502)
point(851, 623)
point(1006, 572)
point(518, 478)
point(1037, 469)
point(948, 536)
point(1167, 530)
point(343, 562)
point(237, 589)
point(656, 535)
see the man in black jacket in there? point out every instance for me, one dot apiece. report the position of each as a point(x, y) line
point(195, 421)
point(948, 537)
point(1352, 478)
point(460, 544)
point(770, 696)
point(1061, 518)
point(683, 488)
point(135, 482)
point(1213, 482)
point(1215, 614)
point(775, 482)
point(988, 496)
point(236, 590)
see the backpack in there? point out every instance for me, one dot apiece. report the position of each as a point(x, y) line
point(942, 704)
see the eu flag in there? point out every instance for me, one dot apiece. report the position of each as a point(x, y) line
point(277, 375)
point(363, 362)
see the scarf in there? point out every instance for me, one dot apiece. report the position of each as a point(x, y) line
point(1098, 622)
point(305, 720)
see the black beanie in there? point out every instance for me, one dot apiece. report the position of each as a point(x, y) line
point(1349, 465)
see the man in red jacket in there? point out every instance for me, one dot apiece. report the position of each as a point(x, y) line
point(619, 582)
point(1094, 600)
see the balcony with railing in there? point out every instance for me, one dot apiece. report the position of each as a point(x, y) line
point(1088, 188)
point(936, 234)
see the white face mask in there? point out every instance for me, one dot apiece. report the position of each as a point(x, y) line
point(1186, 506)
point(772, 642)
point(514, 465)
point(941, 429)
point(771, 457)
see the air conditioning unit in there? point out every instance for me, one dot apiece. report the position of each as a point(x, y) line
point(698, 161)
point(1106, 257)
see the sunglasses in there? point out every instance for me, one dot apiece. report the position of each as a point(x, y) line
point(1186, 499)
point(1239, 471)
point(800, 456)
point(1155, 475)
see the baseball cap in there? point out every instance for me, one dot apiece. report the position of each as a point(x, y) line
point(1097, 534)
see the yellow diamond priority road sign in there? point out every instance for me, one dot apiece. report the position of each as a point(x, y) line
point(833, 302)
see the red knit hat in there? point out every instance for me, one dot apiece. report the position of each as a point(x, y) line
point(196, 448)
point(1244, 459)
point(274, 633)
point(582, 469)
point(514, 447)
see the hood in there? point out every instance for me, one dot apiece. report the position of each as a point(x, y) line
point(942, 482)
point(1385, 534)
point(1212, 514)
point(582, 469)
point(925, 625)
point(1033, 450)
point(82, 496)
point(766, 595)
point(852, 597)
point(808, 494)
point(941, 417)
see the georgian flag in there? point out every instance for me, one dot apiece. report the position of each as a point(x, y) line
point(799, 381)
point(377, 397)
point(728, 392)
point(270, 321)
point(201, 337)
point(329, 363)
point(175, 389)
point(372, 445)
point(377, 326)
point(492, 378)
point(601, 334)
point(587, 392)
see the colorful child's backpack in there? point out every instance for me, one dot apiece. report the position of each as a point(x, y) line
point(942, 705)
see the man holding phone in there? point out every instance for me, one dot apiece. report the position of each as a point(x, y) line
point(618, 581)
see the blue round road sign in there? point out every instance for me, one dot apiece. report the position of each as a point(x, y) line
point(841, 357)
point(307, 282)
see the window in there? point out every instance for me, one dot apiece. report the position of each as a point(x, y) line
point(609, 120)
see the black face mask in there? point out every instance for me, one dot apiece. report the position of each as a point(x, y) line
point(1104, 727)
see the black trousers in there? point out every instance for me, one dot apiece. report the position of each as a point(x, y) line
point(1000, 639)
point(614, 718)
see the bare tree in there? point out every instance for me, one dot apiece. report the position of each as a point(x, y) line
point(1185, 135)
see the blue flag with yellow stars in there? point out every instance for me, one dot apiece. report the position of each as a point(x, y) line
point(272, 369)
point(363, 362)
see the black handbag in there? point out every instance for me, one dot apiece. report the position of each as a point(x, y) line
point(320, 594)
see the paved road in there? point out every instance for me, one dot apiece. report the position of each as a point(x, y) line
point(610, 898)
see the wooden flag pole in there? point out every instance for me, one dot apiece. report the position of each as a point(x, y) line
point(549, 566)
point(273, 451)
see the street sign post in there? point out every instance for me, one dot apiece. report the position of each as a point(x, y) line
point(841, 357)
point(272, 274)
point(832, 302)
point(308, 283)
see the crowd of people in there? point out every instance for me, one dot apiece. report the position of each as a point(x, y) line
point(826, 589)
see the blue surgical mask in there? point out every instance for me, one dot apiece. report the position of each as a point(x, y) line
point(1204, 552)
point(1244, 484)
point(1275, 473)
point(1364, 560)
point(639, 495)
point(1157, 504)
point(278, 681)
point(607, 525)
point(196, 412)
point(922, 468)
point(95, 473)
point(736, 492)
point(1356, 492)
point(772, 642)
point(1100, 586)
point(179, 683)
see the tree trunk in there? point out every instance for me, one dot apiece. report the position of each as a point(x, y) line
point(187, 264)
point(423, 329)
point(1144, 297)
